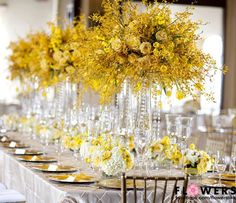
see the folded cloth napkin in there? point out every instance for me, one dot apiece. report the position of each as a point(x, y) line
point(8, 196)
point(2, 187)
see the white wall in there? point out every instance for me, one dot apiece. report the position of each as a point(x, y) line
point(16, 20)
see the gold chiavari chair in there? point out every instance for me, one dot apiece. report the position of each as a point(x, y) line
point(168, 181)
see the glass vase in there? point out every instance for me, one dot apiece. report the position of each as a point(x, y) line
point(143, 126)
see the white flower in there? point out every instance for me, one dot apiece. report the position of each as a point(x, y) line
point(116, 164)
point(192, 156)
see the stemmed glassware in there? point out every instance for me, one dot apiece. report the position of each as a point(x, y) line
point(184, 130)
point(44, 138)
point(172, 126)
point(233, 166)
point(221, 165)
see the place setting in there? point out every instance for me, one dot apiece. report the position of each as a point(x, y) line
point(14, 145)
point(54, 168)
point(75, 178)
point(21, 152)
point(223, 172)
point(36, 158)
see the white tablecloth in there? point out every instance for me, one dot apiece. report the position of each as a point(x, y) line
point(38, 189)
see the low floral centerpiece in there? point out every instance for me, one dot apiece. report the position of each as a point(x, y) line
point(196, 162)
point(108, 154)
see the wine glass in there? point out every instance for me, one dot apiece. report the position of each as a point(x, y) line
point(233, 165)
point(221, 167)
point(172, 126)
point(142, 140)
point(184, 129)
point(44, 137)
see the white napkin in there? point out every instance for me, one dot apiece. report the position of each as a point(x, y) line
point(52, 167)
point(12, 144)
point(11, 196)
point(20, 151)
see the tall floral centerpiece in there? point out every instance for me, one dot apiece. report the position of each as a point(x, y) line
point(150, 47)
point(155, 51)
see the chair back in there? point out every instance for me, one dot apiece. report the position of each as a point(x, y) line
point(169, 186)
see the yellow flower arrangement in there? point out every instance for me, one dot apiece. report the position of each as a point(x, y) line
point(196, 159)
point(158, 147)
point(49, 58)
point(162, 151)
point(72, 142)
point(150, 46)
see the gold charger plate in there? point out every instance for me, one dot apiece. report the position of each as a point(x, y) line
point(6, 139)
point(73, 178)
point(116, 184)
point(54, 168)
point(26, 152)
point(226, 176)
point(214, 183)
point(37, 159)
point(17, 145)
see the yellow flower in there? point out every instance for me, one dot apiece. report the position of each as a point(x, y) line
point(97, 161)
point(168, 154)
point(202, 166)
point(132, 58)
point(70, 69)
point(133, 42)
point(145, 48)
point(106, 155)
point(87, 160)
point(199, 87)
point(163, 68)
point(176, 156)
point(156, 44)
point(180, 95)
point(157, 147)
point(116, 45)
point(127, 158)
point(192, 146)
point(165, 141)
point(161, 36)
point(44, 93)
point(158, 92)
point(168, 93)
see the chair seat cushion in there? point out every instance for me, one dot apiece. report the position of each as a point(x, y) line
point(11, 196)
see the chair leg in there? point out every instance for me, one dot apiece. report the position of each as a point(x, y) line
point(123, 188)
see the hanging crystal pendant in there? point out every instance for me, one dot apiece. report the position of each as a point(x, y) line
point(143, 125)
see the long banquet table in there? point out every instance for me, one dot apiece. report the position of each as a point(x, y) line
point(39, 189)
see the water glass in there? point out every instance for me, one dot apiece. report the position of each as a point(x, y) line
point(172, 126)
point(185, 129)
point(221, 167)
